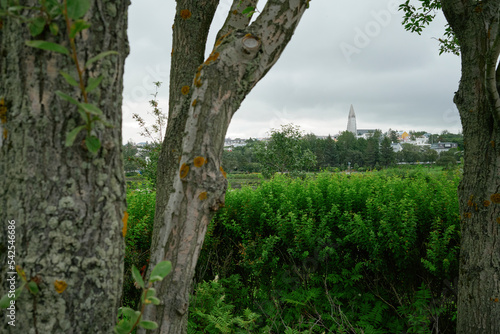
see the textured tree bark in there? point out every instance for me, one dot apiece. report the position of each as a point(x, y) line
point(203, 98)
point(476, 24)
point(67, 203)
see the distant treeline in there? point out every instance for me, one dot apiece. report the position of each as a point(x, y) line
point(359, 153)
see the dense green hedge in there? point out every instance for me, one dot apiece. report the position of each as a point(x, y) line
point(372, 253)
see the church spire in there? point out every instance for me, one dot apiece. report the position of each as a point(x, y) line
point(351, 122)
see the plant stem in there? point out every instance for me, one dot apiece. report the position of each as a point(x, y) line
point(74, 56)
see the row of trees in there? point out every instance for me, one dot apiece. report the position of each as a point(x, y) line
point(289, 150)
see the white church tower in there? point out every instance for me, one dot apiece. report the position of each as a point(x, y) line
point(351, 122)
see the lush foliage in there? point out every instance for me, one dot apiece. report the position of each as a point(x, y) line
point(128, 318)
point(283, 152)
point(373, 253)
point(141, 209)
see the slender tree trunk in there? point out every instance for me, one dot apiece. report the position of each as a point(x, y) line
point(191, 180)
point(67, 204)
point(476, 25)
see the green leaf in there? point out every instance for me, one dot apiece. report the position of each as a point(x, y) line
point(33, 287)
point(78, 26)
point(4, 4)
point(93, 83)
point(36, 26)
point(100, 56)
point(137, 276)
point(161, 270)
point(69, 79)
point(154, 300)
point(155, 278)
point(54, 8)
point(54, 28)
point(248, 10)
point(148, 324)
point(5, 301)
point(151, 292)
point(71, 136)
point(19, 290)
point(123, 327)
point(48, 46)
point(93, 144)
point(67, 97)
point(91, 109)
point(77, 8)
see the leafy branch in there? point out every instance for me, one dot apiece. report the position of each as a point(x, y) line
point(416, 19)
point(129, 319)
point(72, 13)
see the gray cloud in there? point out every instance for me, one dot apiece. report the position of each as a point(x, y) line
point(393, 78)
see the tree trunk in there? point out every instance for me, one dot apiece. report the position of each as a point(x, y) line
point(67, 203)
point(476, 25)
point(204, 97)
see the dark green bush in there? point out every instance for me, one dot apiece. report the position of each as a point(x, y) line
point(342, 253)
point(141, 210)
point(374, 253)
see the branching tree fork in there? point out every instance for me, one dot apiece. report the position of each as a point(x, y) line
point(204, 95)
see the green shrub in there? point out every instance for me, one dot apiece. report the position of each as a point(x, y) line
point(375, 253)
point(342, 253)
point(141, 210)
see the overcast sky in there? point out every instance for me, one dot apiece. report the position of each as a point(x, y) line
point(342, 53)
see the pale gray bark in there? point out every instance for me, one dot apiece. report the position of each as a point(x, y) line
point(188, 198)
point(476, 24)
point(67, 203)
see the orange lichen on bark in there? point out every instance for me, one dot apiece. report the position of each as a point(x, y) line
point(203, 196)
point(213, 56)
point(124, 220)
point(495, 198)
point(185, 14)
point(223, 172)
point(199, 161)
point(60, 286)
point(185, 90)
point(184, 171)
point(194, 103)
point(219, 41)
point(486, 203)
point(467, 215)
point(492, 143)
point(197, 81)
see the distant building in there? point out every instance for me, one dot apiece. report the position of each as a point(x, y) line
point(443, 147)
point(353, 128)
point(351, 122)
point(396, 147)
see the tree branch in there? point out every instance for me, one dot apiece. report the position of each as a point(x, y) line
point(492, 72)
point(235, 19)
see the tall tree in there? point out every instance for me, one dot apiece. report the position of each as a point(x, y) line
point(66, 203)
point(204, 95)
point(372, 151)
point(476, 28)
point(284, 152)
point(387, 155)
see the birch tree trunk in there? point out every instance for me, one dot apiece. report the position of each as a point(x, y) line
point(204, 95)
point(476, 25)
point(67, 204)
